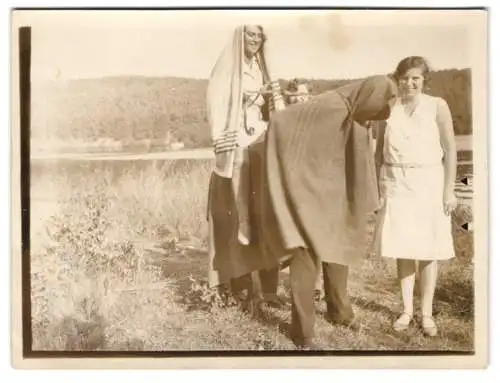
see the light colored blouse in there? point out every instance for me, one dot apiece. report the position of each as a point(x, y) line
point(252, 82)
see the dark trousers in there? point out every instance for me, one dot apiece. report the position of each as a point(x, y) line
point(304, 269)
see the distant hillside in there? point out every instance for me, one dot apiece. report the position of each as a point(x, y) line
point(132, 109)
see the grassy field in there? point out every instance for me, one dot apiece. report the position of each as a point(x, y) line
point(119, 263)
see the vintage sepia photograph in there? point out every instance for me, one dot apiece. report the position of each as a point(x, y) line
point(241, 183)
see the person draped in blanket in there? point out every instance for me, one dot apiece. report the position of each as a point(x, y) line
point(320, 195)
point(240, 97)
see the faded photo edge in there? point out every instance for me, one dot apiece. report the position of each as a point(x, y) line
point(478, 33)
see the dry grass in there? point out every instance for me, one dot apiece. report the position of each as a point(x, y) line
point(119, 264)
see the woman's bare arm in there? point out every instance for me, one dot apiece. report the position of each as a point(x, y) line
point(447, 137)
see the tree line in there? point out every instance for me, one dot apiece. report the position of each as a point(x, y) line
point(131, 109)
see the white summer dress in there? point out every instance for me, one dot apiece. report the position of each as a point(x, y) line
point(412, 223)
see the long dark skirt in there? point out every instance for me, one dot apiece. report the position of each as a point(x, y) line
point(228, 259)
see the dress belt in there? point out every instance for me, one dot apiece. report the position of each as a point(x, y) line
point(411, 165)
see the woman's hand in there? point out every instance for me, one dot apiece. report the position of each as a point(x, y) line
point(226, 142)
point(265, 89)
point(450, 202)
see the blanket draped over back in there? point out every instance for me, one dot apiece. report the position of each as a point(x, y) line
point(320, 173)
point(313, 181)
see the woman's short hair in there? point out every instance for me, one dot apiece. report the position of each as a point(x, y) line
point(412, 62)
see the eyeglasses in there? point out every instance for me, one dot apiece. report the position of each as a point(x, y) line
point(254, 35)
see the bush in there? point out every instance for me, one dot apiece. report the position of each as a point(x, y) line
point(78, 277)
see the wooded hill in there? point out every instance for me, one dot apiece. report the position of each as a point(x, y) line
point(165, 110)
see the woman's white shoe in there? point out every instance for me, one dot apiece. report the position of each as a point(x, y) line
point(403, 322)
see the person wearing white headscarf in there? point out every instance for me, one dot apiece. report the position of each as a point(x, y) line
point(240, 96)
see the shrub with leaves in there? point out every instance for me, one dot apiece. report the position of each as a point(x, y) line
point(76, 278)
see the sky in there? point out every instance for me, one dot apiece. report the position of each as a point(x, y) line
point(311, 44)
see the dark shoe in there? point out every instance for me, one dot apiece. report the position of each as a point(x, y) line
point(254, 308)
point(300, 343)
point(274, 301)
point(352, 323)
point(306, 345)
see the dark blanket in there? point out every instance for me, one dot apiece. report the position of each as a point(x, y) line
point(320, 174)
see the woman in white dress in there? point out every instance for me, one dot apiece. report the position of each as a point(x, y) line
point(416, 164)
